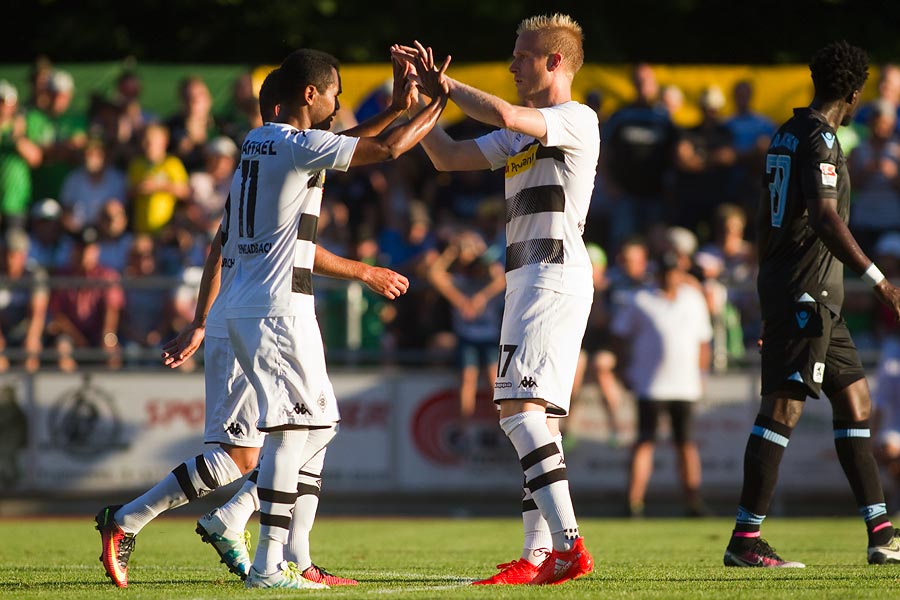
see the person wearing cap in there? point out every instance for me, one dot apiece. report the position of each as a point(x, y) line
point(50, 245)
point(87, 189)
point(210, 186)
point(23, 303)
point(86, 316)
point(704, 158)
point(60, 132)
point(663, 336)
point(18, 155)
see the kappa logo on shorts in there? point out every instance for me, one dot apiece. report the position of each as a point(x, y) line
point(235, 429)
point(528, 383)
point(301, 409)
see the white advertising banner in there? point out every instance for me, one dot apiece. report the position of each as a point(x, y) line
point(400, 431)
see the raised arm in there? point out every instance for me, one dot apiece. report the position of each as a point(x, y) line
point(395, 141)
point(386, 282)
point(403, 97)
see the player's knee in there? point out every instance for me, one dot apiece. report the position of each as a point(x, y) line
point(245, 459)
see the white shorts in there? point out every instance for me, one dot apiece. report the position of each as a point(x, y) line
point(231, 409)
point(539, 345)
point(284, 360)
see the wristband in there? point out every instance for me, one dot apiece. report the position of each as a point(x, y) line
point(873, 275)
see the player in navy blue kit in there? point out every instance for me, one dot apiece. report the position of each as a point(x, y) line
point(804, 244)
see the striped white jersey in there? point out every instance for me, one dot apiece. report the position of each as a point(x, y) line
point(273, 215)
point(548, 191)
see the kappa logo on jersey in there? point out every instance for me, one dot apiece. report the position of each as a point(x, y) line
point(829, 174)
point(502, 385)
point(301, 409)
point(802, 316)
point(528, 383)
point(235, 429)
point(829, 139)
point(818, 372)
point(317, 180)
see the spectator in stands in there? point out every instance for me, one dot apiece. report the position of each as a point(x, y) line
point(730, 261)
point(888, 91)
point(194, 124)
point(86, 316)
point(60, 132)
point(87, 189)
point(145, 315)
point(664, 335)
point(18, 155)
point(39, 82)
point(128, 97)
point(210, 186)
point(334, 229)
point(751, 133)
point(638, 147)
point(157, 182)
point(671, 99)
point(50, 246)
point(597, 356)
point(115, 239)
point(23, 303)
point(242, 112)
point(472, 284)
point(631, 271)
point(875, 168)
point(704, 159)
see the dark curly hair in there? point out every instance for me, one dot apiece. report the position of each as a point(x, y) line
point(838, 70)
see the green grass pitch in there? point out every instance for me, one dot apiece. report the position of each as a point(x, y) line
point(51, 558)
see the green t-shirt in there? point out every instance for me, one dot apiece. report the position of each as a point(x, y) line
point(15, 174)
point(48, 178)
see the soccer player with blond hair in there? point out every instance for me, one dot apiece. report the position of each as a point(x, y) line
point(548, 147)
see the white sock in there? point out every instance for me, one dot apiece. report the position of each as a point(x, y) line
point(277, 489)
point(188, 481)
point(235, 513)
point(538, 541)
point(309, 484)
point(545, 474)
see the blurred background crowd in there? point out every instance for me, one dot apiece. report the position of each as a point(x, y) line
point(107, 216)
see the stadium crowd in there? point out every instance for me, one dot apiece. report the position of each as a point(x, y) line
point(107, 217)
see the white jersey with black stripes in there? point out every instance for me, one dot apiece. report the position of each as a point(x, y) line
point(276, 195)
point(548, 191)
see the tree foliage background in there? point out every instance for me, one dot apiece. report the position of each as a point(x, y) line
point(263, 31)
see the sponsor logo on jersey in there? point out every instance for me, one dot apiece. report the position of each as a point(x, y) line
point(829, 174)
point(255, 248)
point(818, 372)
point(521, 162)
point(829, 139)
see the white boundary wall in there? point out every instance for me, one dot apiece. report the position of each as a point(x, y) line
point(108, 432)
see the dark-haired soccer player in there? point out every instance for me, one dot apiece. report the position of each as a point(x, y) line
point(804, 243)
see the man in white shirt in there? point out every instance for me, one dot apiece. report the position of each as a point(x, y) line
point(667, 332)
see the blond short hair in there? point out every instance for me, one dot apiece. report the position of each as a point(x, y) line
point(558, 33)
